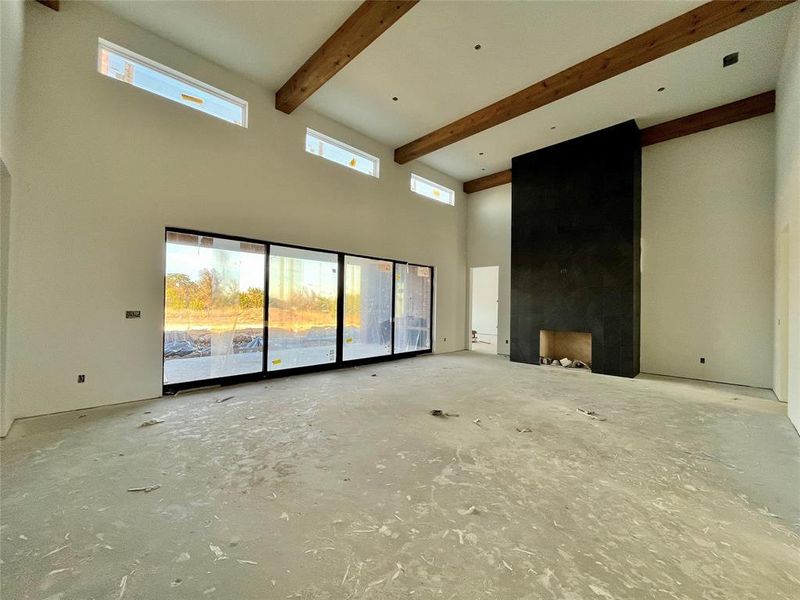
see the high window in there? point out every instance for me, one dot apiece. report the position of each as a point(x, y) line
point(126, 66)
point(340, 153)
point(430, 189)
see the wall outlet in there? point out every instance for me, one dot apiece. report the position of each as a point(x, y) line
point(702, 360)
point(81, 378)
point(133, 314)
point(506, 341)
point(445, 339)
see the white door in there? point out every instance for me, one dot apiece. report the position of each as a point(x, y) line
point(483, 301)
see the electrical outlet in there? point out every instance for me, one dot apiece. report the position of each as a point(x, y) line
point(445, 339)
point(702, 360)
point(81, 378)
point(506, 341)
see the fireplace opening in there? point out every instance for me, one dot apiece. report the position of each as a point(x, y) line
point(569, 349)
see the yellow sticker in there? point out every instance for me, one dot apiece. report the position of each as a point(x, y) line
point(349, 340)
point(277, 361)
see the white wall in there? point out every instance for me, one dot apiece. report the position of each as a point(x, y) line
point(11, 32)
point(489, 244)
point(105, 167)
point(787, 222)
point(707, 254)
point(483, 299)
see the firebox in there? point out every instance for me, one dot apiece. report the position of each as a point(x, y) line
point(565, 348)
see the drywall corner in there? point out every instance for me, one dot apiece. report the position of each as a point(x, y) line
point(787, 224)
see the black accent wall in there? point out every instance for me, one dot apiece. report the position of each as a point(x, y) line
point(575, 245)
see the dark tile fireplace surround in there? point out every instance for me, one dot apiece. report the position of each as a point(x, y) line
point(575, 229)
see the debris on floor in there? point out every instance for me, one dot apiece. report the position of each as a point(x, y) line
point(145, 489)
point(221, 400)
point(590, 413)
point(152, 421)
point(469, 511)
point(477, 422)
point(440, 413)
point(220, 555)
point(524, 430)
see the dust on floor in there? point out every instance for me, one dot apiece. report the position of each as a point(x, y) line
point(342, 485)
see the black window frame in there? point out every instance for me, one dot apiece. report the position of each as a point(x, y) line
point(339, 363)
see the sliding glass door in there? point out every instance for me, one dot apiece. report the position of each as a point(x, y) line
point(303, 293)
point(412, 306)
point(238, 309)
point(367, 307)
point(213, 307)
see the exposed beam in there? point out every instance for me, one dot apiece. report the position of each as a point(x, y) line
point(54, 4)
point(360, 29)
point(754, 106)
point(489, 181)
point(693, 26)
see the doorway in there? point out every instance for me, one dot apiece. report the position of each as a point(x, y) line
point(483, 311)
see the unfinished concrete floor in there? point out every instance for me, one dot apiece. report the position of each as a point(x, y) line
point(341, 485)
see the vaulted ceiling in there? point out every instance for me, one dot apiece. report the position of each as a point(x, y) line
point(428, 60)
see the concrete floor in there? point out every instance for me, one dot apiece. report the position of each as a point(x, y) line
point(487, 344)
point(341, 485)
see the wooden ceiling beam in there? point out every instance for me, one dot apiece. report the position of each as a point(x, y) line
point(54, 4)
point(360, 29)
point(698, 24)
point(489, 181)
point(754, 106)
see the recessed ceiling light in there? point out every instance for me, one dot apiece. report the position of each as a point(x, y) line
point(661, 89)
point(730, 59)
point(477, 46)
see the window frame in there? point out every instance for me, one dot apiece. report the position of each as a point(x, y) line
point(343, 146)
point(414, 177)
point(103, 44)
point(264, 374)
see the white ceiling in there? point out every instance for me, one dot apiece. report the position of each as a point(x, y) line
point(264, 40)
point(428, 60)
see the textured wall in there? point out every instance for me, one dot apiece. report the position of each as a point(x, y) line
point(707, 237)
point(787, 224)
point(575, 229)
point(105, 167)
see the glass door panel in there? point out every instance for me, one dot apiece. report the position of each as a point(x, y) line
point(412, 306)
point(367, 308)
point(303, 291)
point(213, 307)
